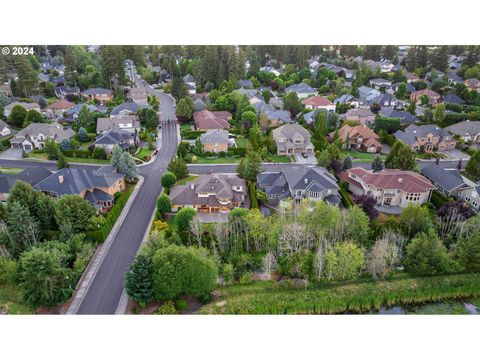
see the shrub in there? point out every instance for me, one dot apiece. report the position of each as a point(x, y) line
point(183, 218)
point(168, 179)
point(468, 251)
point(253, 195)
point(8, 270)
point(426, 255)
point(164, 204)
point(168, 308)
point(99, 153)
point(228, 273)
point(138, 279)
point(181, 305)
point(178, 270)
point(246, 279)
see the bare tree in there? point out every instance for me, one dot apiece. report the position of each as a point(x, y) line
point(269, 263)
point(295, 237)
point(386, 254)
point(196, 230)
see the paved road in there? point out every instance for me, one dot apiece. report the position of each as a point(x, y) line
point(107, 286)
point(231, 168)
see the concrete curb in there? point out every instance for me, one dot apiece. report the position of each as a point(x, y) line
point(97, 259)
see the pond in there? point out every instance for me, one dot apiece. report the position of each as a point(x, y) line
point(471, 307)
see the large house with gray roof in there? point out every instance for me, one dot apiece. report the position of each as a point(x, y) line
point(467, 130)
point(35, 135)
point(426, 138)
point(31, 176)
point(116, 137)
point(451, 183)
point(303, 90)
point(96, 186)
point(129, 123)
point(299, 182)
point(215, 141)
point(292, 139)
point(211, 193)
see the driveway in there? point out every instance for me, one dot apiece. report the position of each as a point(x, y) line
point(311, 159)
point(455, 154)
point(11, 154)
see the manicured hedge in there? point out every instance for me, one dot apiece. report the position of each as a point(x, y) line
point(84, 154)
point(346, 200)
point(237, 151)
point(192, 134)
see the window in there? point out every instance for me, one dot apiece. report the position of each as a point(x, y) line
point(413, 197)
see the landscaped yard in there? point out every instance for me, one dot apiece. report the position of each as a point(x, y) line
point(289, 297)
point(363, 156)
point(144, 152)
point(279, 158)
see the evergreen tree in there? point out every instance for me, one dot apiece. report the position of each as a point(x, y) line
point(22, 232)
point(347, 163)
point(255, 136)
point(82, 134)
point(126, 166)
point(250, 166)
point(400, 157)
point(116, 154)
point(179, 89)
point(377, 163)
point(61, 162)
point(85, 117)
point(17, 116)
point(112, 64)
point(473, 166)
point(139, 279)
point(179, 167)
point(70, 62)
point(292, 103)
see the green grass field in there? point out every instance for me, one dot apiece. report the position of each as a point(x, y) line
point(360, 296)
point(143, 152)
point(356, 155)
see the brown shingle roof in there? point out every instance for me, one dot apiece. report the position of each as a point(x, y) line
point(317, 101)
point(205, 119)
point(60, 104)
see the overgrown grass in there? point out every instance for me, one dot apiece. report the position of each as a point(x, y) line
point(336, 297)
point(11, 301)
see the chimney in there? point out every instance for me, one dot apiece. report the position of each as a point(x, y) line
point(191, 185)
point(60, 179)
point(306, 181)
point(400, 180)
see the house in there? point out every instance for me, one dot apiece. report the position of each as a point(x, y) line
point(31, 176)
point(127, 108)
point(347, 99)
point(447, 181)
point(378, 83)
point(27, 106)
point(99, 94)
point(472, 84)
point(211, 193)
point(405, 117)
point(95, 186)
point(318, 102)
point(35, 135)
point(190, 83)
point(71, 115)
point(453, 78)
point(208, 120)
point(433, 97)
point(199, 104)
point(116, 137)
point(411, 78)
point(270, 69)
point(360, 138)
point(276, 102)
point(56, 110)
point(129, 123)
point(467, 130)
point(247, 84)
point(360, 115)
point(427, 138)
point(384, 100)
point(4, 129)
point(292, 139)
point(66, 92)
point(299, 182)
point(471, 195)
point(367, 94)
point(410, 88)
point(139, 96)
point(215, 141)
point(278, 117)
point(303, 90)
point(453, 99)
point(390, 187)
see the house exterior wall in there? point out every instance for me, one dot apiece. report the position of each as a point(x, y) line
point(215, 147)
point(471, 197)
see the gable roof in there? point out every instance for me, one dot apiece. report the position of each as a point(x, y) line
point(53, 130)
point(31, 176)
point(60, 105)
point(114, 137)
point(127, 107)
point(290, 130)
point(98, 91)
point(214, 136)
point(106, 124)
point(206, 119)
point(464, 127)
point(405, 117)
point(351, 131)
point(453, 99)
point(447, 179)
point(317, 101)
point(301, 88)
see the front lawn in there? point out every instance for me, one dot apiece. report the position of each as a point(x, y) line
point(356, 155)
point(278, 158)
point(216, 160)
point(43, 156)
point(143, 153)
point(361, 296)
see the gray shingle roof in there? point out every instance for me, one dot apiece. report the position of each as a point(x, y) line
point(453, 99)
point(464, 127)
point(447, 179)
point(214, 136)
point(301, 88)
